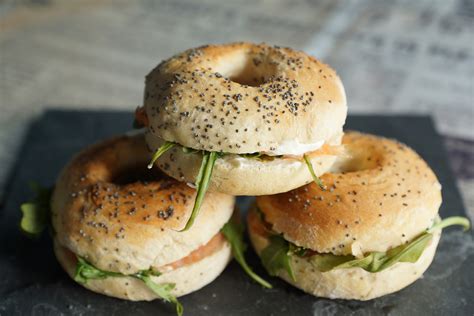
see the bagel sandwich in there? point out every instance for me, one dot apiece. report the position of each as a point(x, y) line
point(243, 119)
point(116, 229)
point(373, 231)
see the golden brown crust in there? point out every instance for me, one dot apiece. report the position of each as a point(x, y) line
point(386, 196)
point(127, 227)
point(244, 98)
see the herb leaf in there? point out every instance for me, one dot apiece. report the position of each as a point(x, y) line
point(36, 213)
point(162, 290)
point(379, 261)
point(256, 155)
point(313, 174)
point(276, 256)
point(160, 151)
point(202, 183)
point(295, 250)
point(233, 232)
point(86, 271)
point(188, 150)
point(410, 252)
point(374, 261)
point(325, 262)
point(259, 156)
point(450, 221)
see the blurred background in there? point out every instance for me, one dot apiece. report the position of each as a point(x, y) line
point(413, 57)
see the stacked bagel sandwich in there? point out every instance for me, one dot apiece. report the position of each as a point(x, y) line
point(350, 216)
point(243, 119)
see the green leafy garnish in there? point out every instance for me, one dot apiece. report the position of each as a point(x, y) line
point(160, 151)
point(36, 213)
point(410, 252)
point(313, 174)
point(259, 156)
point(276, 256)
point(450, 221)
point(379, 261)
point(327, 261)
point(256, 155)
point(202, 183)
point(162, 290)
point(188, 150)
point(299, 251)
point(233, 232)
point(374, 261)
point(86, 271)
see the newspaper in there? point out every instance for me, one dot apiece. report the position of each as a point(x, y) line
point(393, 56)
point(406, 56)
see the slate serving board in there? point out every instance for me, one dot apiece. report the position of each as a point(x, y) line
point(32, 282)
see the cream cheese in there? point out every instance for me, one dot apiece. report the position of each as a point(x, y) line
point(294, 148)
point(240, 162)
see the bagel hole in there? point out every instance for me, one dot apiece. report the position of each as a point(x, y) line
point(354, 161)
point(246, 78)
point(245, 69)
point(136, 173)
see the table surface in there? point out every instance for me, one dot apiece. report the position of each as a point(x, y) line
point(33, 282)
point(393, 56)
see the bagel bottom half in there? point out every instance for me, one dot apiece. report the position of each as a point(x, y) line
point(351, 283)
point(237, 175)
point(187, 279)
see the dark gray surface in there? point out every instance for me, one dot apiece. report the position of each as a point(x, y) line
point(33, 283)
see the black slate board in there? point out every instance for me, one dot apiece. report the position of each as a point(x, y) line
point(32, 281)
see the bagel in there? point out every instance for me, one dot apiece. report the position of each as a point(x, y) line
point(108, 211)
point(341, 242)
point(260, 107)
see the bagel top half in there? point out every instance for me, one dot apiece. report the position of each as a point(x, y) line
point(103, 213)
point(385, 196)
point(245, 98)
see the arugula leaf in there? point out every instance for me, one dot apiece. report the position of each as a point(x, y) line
point(327, 261)
point(379, 261)
point(313, 174)
point(450, 221)
point(410, 252)
point(371, 262)
point(259, 156)
point(162, 290)
point(202, 183)
point(276, 256)
point(374, 261)
point(233, 232)
point(86, 271)
point(256, 155)
point(295, 250)
point(160, 151)
point(188, 150)
point(36, 213)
